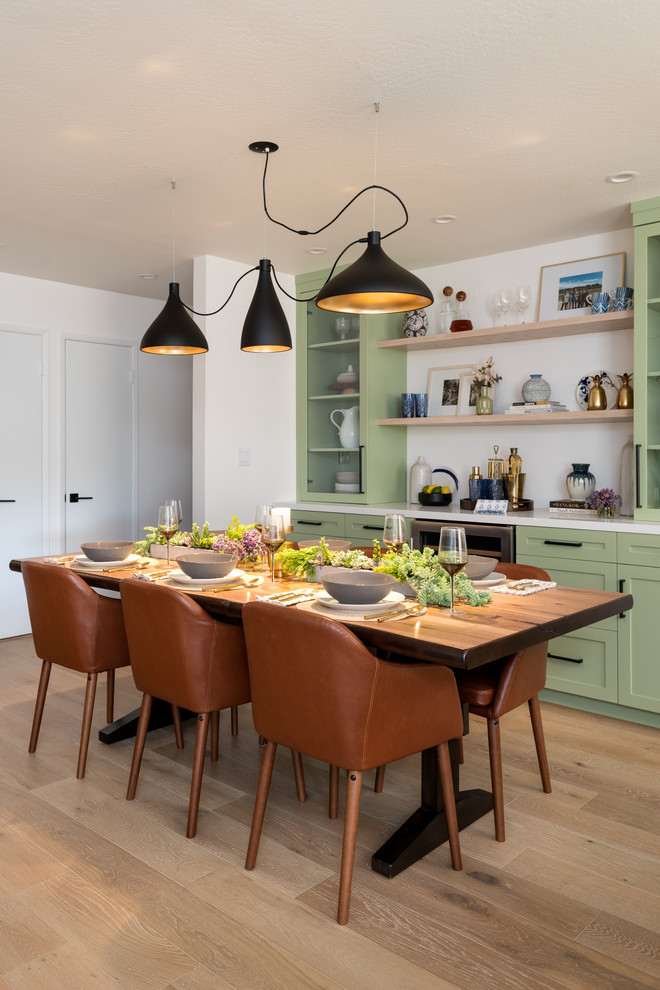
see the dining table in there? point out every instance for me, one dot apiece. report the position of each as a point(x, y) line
point(481, 634)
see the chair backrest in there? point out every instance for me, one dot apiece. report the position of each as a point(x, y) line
point(518, 571)
point(180, 653)
point(318, 690)
point(71, 625)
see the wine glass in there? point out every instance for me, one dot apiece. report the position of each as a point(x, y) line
point(168, 524)
point(503, 301)
point(259, 515)
point(272, 535)
point(523, 299)
point(394, 530)
point(176, 505)
point(453, 555)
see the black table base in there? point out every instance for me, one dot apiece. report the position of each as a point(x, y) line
point(126, 726)
point(426, 829)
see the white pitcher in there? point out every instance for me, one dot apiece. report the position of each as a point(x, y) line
point(349, 428)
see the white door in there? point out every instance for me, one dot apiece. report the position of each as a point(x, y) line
point(98, 442)
point(21, 470)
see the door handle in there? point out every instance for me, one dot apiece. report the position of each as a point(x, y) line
point(622, 582)
point(75, 497)
point(7, 499)
point(638, 501)
point(556, 656)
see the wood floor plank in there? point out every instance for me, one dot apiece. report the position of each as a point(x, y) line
point(625, 812)
point(638, 948)
point(23, 933)
point(64, 968)
point(24, 863)
point(199, 978)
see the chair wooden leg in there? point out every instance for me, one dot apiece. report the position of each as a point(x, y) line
point(262, 741)
point(333, 792)
point(495, 753)
point(198, 770)
point(234, 721)
point(178, 728)
point(380, 779)
point(299, 774)
point(539, 741)
point(353, 789)
point(449, 798)
point(88, 711)
point(110, 696)
point(260, 800)
point(215, 736)
point(138, 748)
point(39, 704)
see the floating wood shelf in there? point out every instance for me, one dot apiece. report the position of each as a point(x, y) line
point(583, 417)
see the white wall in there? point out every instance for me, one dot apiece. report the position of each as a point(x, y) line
point(240, 400)
point(548, 451)
point(164, 385)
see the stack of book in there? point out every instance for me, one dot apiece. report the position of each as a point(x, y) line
point(570, 507)
point(536, 407)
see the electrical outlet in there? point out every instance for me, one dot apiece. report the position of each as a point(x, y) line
point(244, 457)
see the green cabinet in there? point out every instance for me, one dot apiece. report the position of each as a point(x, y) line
point(639, 669)
point(326, 345)
point(646, 218)
point(614, 660)
point(361, 530)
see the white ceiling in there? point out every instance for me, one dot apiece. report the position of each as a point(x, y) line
point(507, 113)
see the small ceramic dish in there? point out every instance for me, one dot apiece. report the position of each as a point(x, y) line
point(107, 551)
point(207, 564)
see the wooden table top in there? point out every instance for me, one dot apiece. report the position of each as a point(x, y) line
point(485, 633)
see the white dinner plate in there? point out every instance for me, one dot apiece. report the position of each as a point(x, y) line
point(585, 385)
point(394, 597)
point(489, 581)
point(80, 558)
point(182, 578)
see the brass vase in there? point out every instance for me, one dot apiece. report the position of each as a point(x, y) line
point(597, 397)
point(625, 396)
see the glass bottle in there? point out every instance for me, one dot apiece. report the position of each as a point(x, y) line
point(514, 462)
point(462, 319)
point(447, 309)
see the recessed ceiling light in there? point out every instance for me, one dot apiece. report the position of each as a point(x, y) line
point(147, 275)
point(317, 251)
point(622, 177)
point(446, 218)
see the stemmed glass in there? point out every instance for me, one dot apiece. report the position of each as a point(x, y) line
point(394, 530)
point(503, 302)
point(453, 555)
point(168, 524)
point(523, 299)
point(272, 535)
point(176, 505)
point(259, 515)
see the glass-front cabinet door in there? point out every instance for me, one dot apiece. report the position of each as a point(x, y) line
point(344, 384)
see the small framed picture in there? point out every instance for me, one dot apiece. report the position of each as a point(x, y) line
point(468, 394)
point(566, 289)
point(443, 389)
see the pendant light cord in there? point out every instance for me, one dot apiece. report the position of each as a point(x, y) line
point(197, 313)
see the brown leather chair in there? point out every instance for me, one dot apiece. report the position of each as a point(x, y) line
point(319, 691)
point(498, 687)
point(180, 654)
point(73, 627)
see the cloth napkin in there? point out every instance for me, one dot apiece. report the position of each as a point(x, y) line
point(303, 596)
point(524, 586)
point(154, 576)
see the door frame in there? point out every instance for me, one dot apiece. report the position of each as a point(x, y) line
point(61, 480)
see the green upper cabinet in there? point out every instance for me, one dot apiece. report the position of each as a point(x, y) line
point(372, 459)
point(646, 219)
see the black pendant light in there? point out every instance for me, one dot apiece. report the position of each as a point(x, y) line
point(174, 331)
point(265, 328)
point(374, 284)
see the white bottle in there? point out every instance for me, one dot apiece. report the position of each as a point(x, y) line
point(420, 476)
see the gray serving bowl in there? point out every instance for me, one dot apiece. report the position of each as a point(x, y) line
point(207, 564)
point(107, 550)
point(478, 568)
point(351, 587)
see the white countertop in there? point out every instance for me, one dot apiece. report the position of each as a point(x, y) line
point(454, 514)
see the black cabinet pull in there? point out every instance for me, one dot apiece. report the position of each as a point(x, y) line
point(638, 447)
point(560, 543)
point(555, 656)
point(622, 615)
point(379, 528)
point(75, 497)
point(360, 468)
point(305, 522)
point(7, 499)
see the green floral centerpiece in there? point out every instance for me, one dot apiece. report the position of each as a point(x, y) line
point(421, 569)
point(244, 541)
point(198, 539)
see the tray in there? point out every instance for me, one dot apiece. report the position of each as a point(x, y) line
point(524, 505)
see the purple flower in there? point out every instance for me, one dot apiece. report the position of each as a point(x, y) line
point(604, 498)
point(247, 547)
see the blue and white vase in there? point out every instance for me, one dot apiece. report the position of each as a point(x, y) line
point(536, 389)
point(580, 482)
point(415, 323)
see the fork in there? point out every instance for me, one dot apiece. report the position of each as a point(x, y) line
point(409, 610)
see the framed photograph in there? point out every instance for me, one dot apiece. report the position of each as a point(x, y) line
point(564, 288)
point(443, 389)
point(468, 394)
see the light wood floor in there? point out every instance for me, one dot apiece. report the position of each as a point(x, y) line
point(98, 893)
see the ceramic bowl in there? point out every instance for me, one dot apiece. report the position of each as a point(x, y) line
point(330, 544)
point(478, 568)
point(206, 564)
point(434, 498)
point(107, 550)
point(355, 587)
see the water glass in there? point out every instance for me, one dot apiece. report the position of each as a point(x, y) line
point(407, 405)
point(421, 404)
